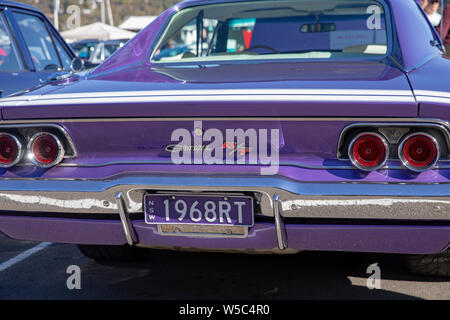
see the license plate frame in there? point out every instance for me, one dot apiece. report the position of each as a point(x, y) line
point(155, 205)
point(201, 231)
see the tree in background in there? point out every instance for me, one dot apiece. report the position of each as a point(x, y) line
point(91, 9)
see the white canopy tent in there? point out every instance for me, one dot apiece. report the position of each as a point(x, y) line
point(98, 31)
point(137, 23)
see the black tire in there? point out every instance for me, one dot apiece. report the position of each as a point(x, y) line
point(431, 265)
point(104, 253)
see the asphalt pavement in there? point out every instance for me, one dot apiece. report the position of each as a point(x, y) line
point(30, 270)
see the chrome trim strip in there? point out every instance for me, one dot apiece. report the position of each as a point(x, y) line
point(316, 200)
point(409, 165)
point(269, 118)
point(279, 225)
point(202, 235)
point(168, 162)
point(130, 233)
point(281, 163)
point(182, 92)
point(220, 98)
point(431, 93)
point(428, 99)
point(211, 92)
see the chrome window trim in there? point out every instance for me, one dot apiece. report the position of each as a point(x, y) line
point(160, 36)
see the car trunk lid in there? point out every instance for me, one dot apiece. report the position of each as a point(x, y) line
point(325, 89)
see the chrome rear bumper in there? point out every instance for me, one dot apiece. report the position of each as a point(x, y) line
point(277, 198)
point(295, 199)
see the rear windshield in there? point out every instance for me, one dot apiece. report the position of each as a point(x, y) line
point(270, 29)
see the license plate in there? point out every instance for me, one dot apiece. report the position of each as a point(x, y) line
point(199, 210)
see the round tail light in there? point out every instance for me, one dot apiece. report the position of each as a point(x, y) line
point(419, 152)
point(11, 150)
point(368, 151)
point(45, 150)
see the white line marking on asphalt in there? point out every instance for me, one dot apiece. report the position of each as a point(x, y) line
point(24, 255)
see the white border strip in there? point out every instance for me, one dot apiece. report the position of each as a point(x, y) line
point(433, 96)
point(429, 93)
point(215, 95)
point(433, 99)
point(213, 92)
point(24, 255)
point(213, 98)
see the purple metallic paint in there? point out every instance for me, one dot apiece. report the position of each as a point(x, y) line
point(354, 238)
point(78, 231)
point(310, 143)
point(370, 76)
point(425, 78)
point(290, 172)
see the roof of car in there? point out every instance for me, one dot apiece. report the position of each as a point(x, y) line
point(9, 3)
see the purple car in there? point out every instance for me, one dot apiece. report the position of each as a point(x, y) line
point(281, 126)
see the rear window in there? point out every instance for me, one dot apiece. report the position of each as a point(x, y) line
point(291, 29)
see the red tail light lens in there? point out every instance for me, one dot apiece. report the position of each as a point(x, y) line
point(46, 150)
point(368, 151)
point(419, 152)
point(10, 150)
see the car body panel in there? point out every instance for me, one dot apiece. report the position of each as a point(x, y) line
point(370, 98)
point(9, 81)
point(121, 115)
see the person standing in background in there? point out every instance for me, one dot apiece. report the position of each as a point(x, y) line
point(431, 8)
point(423, 3)
point(444, 29)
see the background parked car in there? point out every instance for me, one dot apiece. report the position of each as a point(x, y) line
point(84, 48)
point(31, 49)
point(103, 50)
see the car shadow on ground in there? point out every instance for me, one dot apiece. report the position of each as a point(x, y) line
point(307, 275)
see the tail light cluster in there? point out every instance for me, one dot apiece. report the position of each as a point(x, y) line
point(44, 149)
point(417, 151)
